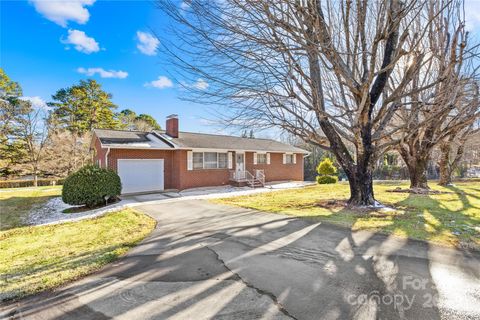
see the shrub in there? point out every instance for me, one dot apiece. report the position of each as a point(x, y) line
point(326, 179)
point(326, 168)
point(326, 172)
point(91, 186)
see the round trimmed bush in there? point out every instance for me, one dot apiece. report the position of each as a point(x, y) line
point(326, 179)
point(91, 186)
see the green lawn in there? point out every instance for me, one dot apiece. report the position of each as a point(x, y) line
point(447, 219)
point(34, 259)
point(17, 202)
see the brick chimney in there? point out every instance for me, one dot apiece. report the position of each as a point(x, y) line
point(172, 126)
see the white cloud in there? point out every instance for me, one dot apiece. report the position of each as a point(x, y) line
point(184, 5)
point(61, 12)
point(147, 44)
point(103, 73)
point(161, 83)
point(37, 102)
point(200, 84)
point(81, 41)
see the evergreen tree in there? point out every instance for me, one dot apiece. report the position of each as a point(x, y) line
point(83, 107)
point(129, 120)
point(12, 109)
point(326, 172)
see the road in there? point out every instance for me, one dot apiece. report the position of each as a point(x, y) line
point(208, 261)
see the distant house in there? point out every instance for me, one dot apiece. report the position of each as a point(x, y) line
point(473, 172)
point(172, 159)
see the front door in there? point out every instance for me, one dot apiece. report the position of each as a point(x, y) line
point(240, 165)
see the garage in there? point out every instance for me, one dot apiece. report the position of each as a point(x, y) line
point(141, 175)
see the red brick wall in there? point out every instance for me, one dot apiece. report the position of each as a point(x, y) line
point(199, 178)
point(276, 170)
point(98, 153)
point(178, 177)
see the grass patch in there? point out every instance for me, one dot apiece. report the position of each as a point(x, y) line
point(16, 203)
point(451, 219)
point(34, 259)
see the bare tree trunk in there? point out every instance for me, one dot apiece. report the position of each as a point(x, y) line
point(417, 165)
point(418, 174)
point(444, 164)
point(447, 167)
point(35, 176)
point(361, 188)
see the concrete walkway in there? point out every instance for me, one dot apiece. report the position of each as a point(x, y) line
point(206, 261)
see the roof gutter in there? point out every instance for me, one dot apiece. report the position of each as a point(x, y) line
point(106, 158)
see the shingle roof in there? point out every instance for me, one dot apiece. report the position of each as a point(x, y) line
point(214, 141)
point(190, 140)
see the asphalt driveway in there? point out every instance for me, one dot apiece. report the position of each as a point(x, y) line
point(209, 261)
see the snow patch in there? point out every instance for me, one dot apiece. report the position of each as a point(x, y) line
point(51, 212)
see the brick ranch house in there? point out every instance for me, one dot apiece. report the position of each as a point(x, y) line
point(172, 159)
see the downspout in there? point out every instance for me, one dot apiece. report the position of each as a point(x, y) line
point(106, 158)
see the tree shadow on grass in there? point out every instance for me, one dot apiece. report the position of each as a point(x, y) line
point(31, 278)
point(463, 196)
point(436, 222)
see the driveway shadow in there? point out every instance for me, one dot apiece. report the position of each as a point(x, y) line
point(207, 261)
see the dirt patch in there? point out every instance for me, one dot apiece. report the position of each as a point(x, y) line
point(419, 191)
point(331, 204)
point(343, 204)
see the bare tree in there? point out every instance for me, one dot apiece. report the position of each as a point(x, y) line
point(33, 133)
point(446, 108)
point(334, 73)
point(74, 155)
point(452, 150)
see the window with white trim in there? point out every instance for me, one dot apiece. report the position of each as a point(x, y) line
point(210, 160)
point(198, 160)
point(222, 160)
point(289, 158)
point(261, 158)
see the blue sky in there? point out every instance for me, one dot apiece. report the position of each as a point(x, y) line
point(48, 45)
point(46, 48)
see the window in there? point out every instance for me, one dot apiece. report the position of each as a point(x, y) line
point(261, 158)
point(210, 160)
point(222, 160)
point(198, 160)
point(289, 158)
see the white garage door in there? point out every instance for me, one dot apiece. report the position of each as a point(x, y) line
point(140, 175)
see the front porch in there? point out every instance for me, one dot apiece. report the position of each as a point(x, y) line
point(242, 178)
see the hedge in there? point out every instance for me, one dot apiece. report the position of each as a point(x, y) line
point(29, 183)
point(91, 186)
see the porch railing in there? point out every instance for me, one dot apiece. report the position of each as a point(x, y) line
point(246, 176)
point(238, 175)
point(260, 176)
